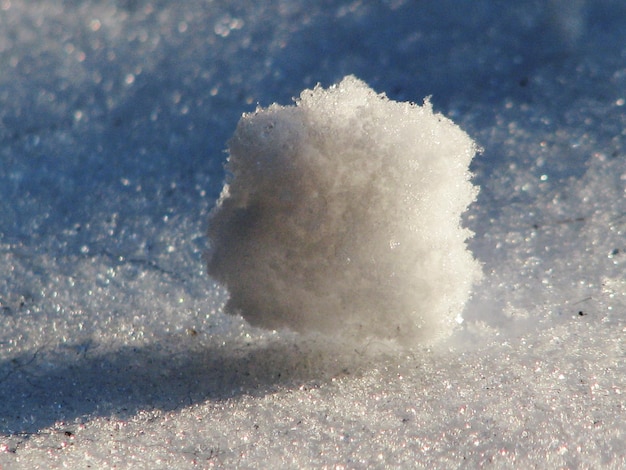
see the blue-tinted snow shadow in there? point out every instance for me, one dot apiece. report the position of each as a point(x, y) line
point(481, 52)
point(39, 389)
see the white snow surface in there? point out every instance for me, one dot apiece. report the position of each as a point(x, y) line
point(115, 349)
point(342, 215)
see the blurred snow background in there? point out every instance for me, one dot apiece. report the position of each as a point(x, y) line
point(114, 351)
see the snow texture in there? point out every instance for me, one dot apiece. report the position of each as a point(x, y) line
point(342, 215)
point(115, 348)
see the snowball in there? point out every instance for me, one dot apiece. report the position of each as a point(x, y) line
point(342, 215)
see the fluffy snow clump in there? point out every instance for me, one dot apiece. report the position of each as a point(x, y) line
point(341, 215)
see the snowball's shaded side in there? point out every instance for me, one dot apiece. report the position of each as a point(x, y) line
point(342, 215)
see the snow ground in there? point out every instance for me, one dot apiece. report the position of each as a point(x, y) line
point(114, 350)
